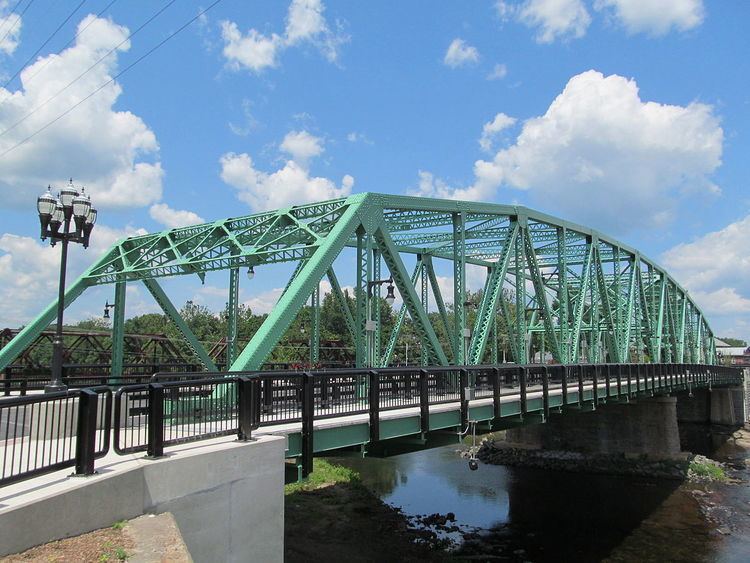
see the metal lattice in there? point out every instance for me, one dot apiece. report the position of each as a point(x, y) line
point(577, 293)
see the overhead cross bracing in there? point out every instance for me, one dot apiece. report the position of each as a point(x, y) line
point(577, 293)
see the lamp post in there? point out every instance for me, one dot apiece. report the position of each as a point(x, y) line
point(54, 214)
point(370, 325)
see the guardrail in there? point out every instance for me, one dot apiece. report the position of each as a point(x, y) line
point(47, 432)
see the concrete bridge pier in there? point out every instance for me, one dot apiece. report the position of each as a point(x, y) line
point(646, 426)
point(726, 406)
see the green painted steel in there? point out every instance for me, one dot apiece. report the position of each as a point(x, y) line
point(343, 303)
point(393, 339)
point(118, 331)
point(340, 225)
point(594, 298)
point(459, 288)
point(174, 315)
point(315, 332)
point(232, 306)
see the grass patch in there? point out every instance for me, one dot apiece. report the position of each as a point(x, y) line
point(324, 473)
point(119, 525)
point(707, 470)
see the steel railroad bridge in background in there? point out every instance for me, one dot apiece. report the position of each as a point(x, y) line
point(577, 293)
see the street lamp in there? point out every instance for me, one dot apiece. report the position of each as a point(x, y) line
point(107, 307)
point(55, 213)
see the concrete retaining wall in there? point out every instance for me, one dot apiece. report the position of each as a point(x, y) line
point(227, 498)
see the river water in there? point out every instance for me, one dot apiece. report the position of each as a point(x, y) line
point(522, 514)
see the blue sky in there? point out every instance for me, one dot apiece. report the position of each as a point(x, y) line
point(612, 113)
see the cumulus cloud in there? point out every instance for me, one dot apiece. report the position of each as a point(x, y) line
point(715, 268)
point(492, 128)
point(553, 19)
point(655, 18)
point(10, 30)
point(603, 156)
point(104, 149)
point(28, 270)
point(460, 53)
point(499, 71)
point(172, 218)
point(290, 185)
point(305, 23)
point(301, 145)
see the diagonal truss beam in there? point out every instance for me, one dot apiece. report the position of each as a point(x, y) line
point(174, 315)
point(409, 295)
point(343, 302)
point(541, 298)
point(289, 304)
point(488, 308)
point(396, 330)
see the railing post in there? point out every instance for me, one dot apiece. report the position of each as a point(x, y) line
point(374, 397)
point(580, 385)
point(564, 381)
point(522, 378)
point(424, 400)
point(595, 385)
point(608, 389)
point(638, 378)
point(248, 403)
point(463, 382)
point(308, 418)
point(155, 420)
point(268, 395)
point(496, 391)
point(630, 380)
point(88, 403)
point(545, 392)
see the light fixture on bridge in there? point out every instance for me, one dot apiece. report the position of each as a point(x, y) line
point(55, 215)
point(250, 273)
point(107, 307)
point(390, 298)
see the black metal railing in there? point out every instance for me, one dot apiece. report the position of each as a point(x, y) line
point(46, 432)
point(53, 431)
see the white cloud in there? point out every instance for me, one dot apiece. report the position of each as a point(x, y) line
point(257, 51)
point(10, 31)
point(554, 19)
point(716, 260)
point(301, 145)
point(28, 270)
point(172, 218)
point(355, 137)
point(602, 156)
point(460, 53)
point(655, 18)
point(722, 301)
point(253, 51)
point(499, 71)
point(715, 269)
point(291, 185)
point(102, 148)
point(492, 128)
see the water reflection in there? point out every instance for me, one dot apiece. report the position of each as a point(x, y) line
point(548, 515)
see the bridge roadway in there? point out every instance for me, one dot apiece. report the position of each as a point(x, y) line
point(323, 411)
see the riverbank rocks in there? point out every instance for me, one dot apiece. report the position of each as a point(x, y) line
point(504, 453)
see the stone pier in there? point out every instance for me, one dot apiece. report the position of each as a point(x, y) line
point(646, 426)
point(715, 406)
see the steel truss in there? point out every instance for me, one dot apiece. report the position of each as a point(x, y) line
point(576, 293)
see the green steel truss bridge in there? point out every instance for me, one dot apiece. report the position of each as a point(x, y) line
point(586, 296)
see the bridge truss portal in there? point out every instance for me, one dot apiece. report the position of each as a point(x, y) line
point(584, 295)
